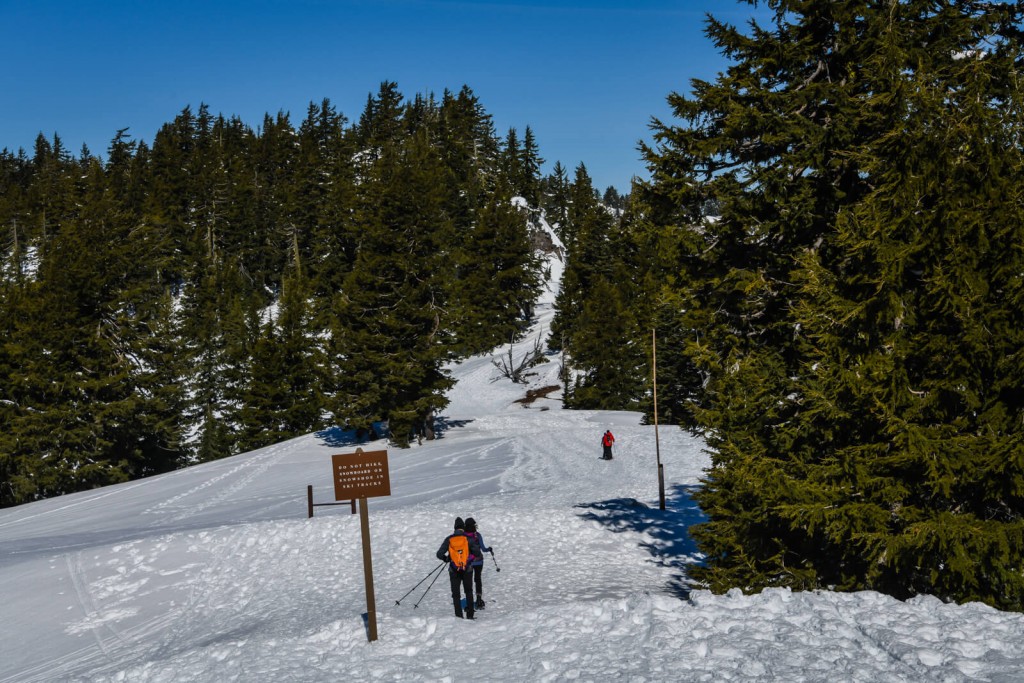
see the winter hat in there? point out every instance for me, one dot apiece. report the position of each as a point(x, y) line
point(470, 524)
point(459, 524)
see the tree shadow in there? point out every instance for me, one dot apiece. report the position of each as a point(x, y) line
point(338, 437)
point(668, 529)
point(443, 424)
point(341, 437)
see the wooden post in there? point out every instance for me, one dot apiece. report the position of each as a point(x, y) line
point(657, 445)
point(371, 607)
point(310, 504)
point(360, 476)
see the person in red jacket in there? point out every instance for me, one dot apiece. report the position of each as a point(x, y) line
point(607, 440)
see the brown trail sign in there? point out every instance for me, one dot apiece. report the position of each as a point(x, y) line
point(360, 476)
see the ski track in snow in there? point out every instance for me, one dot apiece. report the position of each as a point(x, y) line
point(193, 502)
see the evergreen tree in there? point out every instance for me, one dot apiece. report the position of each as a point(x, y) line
point(917, 326)
point(281, 399)
point(220, 325)
point(497, 277)
point(389, 332)
point(333, 244)
point(466, 141)
point(556, 200)
point(382, 120)
point(856, 208)
point(612, 199)
point(512, 162)
point(146, 329)
point(136, 293)
point(609, 358)
point(84, 409)
point(587, 240)
point(529, 165)
point(52, 192)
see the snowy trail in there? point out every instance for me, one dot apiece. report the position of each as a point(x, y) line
point(214, 573)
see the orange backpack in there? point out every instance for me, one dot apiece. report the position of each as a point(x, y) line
point(458, 551)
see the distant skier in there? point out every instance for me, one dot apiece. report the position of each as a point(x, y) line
point(459, 550)
point(607, 440)
point(478, 562)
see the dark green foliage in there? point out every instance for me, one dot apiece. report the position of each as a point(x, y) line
point(854, 312)
point(555, 199)
point(389, 334)
point(610, 368)
point(220, 288)
point(282, 395)
point(86, 407)
point(599, 324)
point(527, 183)
point(496, 277)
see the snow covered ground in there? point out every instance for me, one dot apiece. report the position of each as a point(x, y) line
point(214, 573)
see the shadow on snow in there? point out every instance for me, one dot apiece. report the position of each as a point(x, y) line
point(668, 529)
point(338, 437)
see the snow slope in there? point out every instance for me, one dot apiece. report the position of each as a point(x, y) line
point(214, 573)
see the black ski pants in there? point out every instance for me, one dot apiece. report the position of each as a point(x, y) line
point(462, 580)
point(478, 572)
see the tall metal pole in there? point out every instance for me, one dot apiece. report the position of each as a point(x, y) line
point(657, 443)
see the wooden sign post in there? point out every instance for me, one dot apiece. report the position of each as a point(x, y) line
point(360, 476)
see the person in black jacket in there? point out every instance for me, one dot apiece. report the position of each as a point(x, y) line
point(460, 570)
point(478, 561)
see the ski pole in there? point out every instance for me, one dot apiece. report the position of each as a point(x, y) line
point(496, 567)
point(399, 601)
point(417, 603)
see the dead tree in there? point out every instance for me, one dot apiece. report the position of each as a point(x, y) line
point(515, 370)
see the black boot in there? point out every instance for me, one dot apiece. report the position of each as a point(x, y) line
point(480, 603)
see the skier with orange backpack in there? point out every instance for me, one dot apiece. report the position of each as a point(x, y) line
point(459, 551)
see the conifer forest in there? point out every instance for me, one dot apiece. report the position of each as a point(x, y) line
point(829, 247)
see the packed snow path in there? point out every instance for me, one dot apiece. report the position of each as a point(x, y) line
point(214, 573)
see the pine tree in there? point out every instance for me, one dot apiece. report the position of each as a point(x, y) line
point(856, 209)
point(497, 277)
point(609, 358)
point(529, 165)
point(388, 336)
point(86, 410)
point(382, 120)
point(281, 399)
point(332, 244)
point(917, 327)
point(220, 325)
point(587, 241)
point(556, 200)
point(512, 162)
point(177, 302)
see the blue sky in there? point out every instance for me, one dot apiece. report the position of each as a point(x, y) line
point(586, 76)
